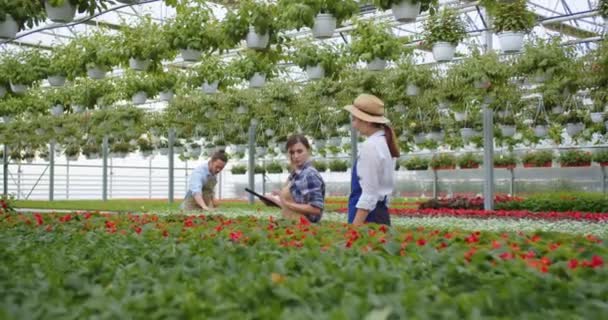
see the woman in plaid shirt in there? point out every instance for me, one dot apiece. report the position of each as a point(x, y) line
point(304, 192)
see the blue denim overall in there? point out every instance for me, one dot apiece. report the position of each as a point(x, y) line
point(378, 215)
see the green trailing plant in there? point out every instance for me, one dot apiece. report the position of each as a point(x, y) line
point(142, 42)
point(167, 80)
point(252, 62)
point(121, 147)
point(442, 161)
point(98, 49)
point(469, 160)
point(503, 160)
point(274, 167)
point(91, 148)
point(424, 4)
point(210, 69)
point(134, 82)
point(197, 30)
point(321, 166)
point(416, 163)
point(603, 8)
point(444, 26)
point(258, 169)
point(84, 6)
point(72, 150)
point(544, 56)
point(24, 67)
point(66, 60)
point(482, 70)
point(263, 17)
point(296, 14)
point(338, 166)
point(373, 40)
point(537, 158)
point(512, 16)
point(18, 105)
point(86, 92)
point(575, 158)
point(601, 157)
point(27, 13)
point(238, 169)
point(144, 145)
point(328, 56)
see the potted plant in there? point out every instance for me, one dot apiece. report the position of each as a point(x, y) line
point(166, 83)
point(405, 10)
point(505, 161)
point(511, 21)
point(59, 99)
point(317, 60)
point(602, 6)
point(23, 69)
point(15, 15)
point(120, 149)
point(338, 166)
point(541, 126)
point(63, 11)
point(544, 57)
point(258, 169)
point(601, 157)
point(255, 22)
point(413, 78)
point(255, 66)
point(274, 167)
point(72, 152)
point(194, 32)
point(374, 43)
point(238, 169)
point(469, 161)
point(210, 74)
point(574, 121)
point(138, 87)
point(322, 16)
point(140, 47)
point(507, 126)
point(321, 166)
point(538, 159)
point(416, 163)
point(444, 30)
point(99, 56)
point(145, 147)
point(443, 161)
point(575, 158)
point(91, 150)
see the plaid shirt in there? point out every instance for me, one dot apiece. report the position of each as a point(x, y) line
point(307, 186)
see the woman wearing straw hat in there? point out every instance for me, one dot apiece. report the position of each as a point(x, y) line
point(372, 174)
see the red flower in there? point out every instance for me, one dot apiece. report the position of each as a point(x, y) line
point(554, 246)
point(421, 242)
point(288, 231)
point(236, 236)
point(304, 221)
point(573, 264)
point(442, 245)
point(496, 244)
point(597, 261)
point(39, 220)
point(219, 228)
point(165, 233)
point(507, 256)
point(473, 238)
point(66, 218)
point(188, 223)
point(138, 229)
point(383, 228)
point(87, 215)
point(49, 228)
point(545, 261)
point(448, 235)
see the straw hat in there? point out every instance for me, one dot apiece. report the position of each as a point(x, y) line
point(368, 108)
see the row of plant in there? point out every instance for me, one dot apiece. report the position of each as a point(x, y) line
point(277, 167)
point(512, 274)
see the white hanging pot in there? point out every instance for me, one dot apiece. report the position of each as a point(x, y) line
point(56, 80)
point(73, 158)
point(96, 73)
point(18, 88)
point(511, 41)
point(597, 117)
point(503, 113)
point(210, 88)
point(257, 81)
point(412, 90)
point(139, 97)
point(242, 109)
point(443, 51)
point(541, 131)
point(146, 154)
point(8, 28)
point(139, 65)
point(2, 91)
point(320, 143)
point(315, 72)
point(573, 128)
point(334, 141)
point(256, 40)
point(57, 110)
point(376, 65)
point(77, 108)
point(467, 133)
point(540, 77)
point(6, 119)
point(119, 155)
point(557, 110)
point(460, 116)
point(436, 136)
point(507, 130)
point(190, 55)
point(92, 156)
point(420, 138)
point(406, 11)
point(166, 96)
point(269, 132)
point(62, 13)
point(163, 151)
point(324, 27)
point(40, 131)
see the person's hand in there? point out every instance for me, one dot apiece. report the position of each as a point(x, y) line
point(275, 193)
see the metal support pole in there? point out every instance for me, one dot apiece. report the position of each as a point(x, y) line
point(264, 177)
point(603, 180)
point(5, 170)
point(512, 182)
point(353, 144)
point(104, 154)
point(171, 164)
point(52, 171)
point(150, 178)
point(435, 184)
point(19, 181)
point(488, 138)
point(251, 160)
point(67, 180)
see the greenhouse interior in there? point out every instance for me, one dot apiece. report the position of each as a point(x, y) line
point(304, 159)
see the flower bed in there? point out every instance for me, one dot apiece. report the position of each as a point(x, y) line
point(132, 266)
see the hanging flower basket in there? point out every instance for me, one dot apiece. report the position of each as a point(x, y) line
point(406, 11)
point(257, 80)
point(315, 72)
point(139, 98)
point(597, 117)
point(9, 28)
point(18, 88)
point(210, 88)
point(256, 40)
point(190, 55)
point(541, 131)
point(2, 91)
point(577, 165)
point(96, 73)
point(376, 65)
point(138, 64)
point(166, 96)
point(507, 130)
point(325, 25)
point(443, 51)
point(62, 13)
point(412, 90)
point(56, 80)
point(511, 41)
point(57, 110)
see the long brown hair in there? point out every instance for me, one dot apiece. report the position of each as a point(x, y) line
point(391, 140)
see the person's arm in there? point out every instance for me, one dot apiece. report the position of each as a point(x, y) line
point(197, 181)
point(313, 196)
point(367, 168)
point(302, 208)
point(198, 197)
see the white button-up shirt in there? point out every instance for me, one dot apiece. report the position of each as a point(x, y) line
point(375, 168)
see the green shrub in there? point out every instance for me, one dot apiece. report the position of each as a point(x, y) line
point(338, 166)
point(537, 158)
point(238, 169)
point(443, 160)
point(416, 163)
point(575, 158)
point(274, 167)
point(469, 160)
point(584, 202)
point(321, 166)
